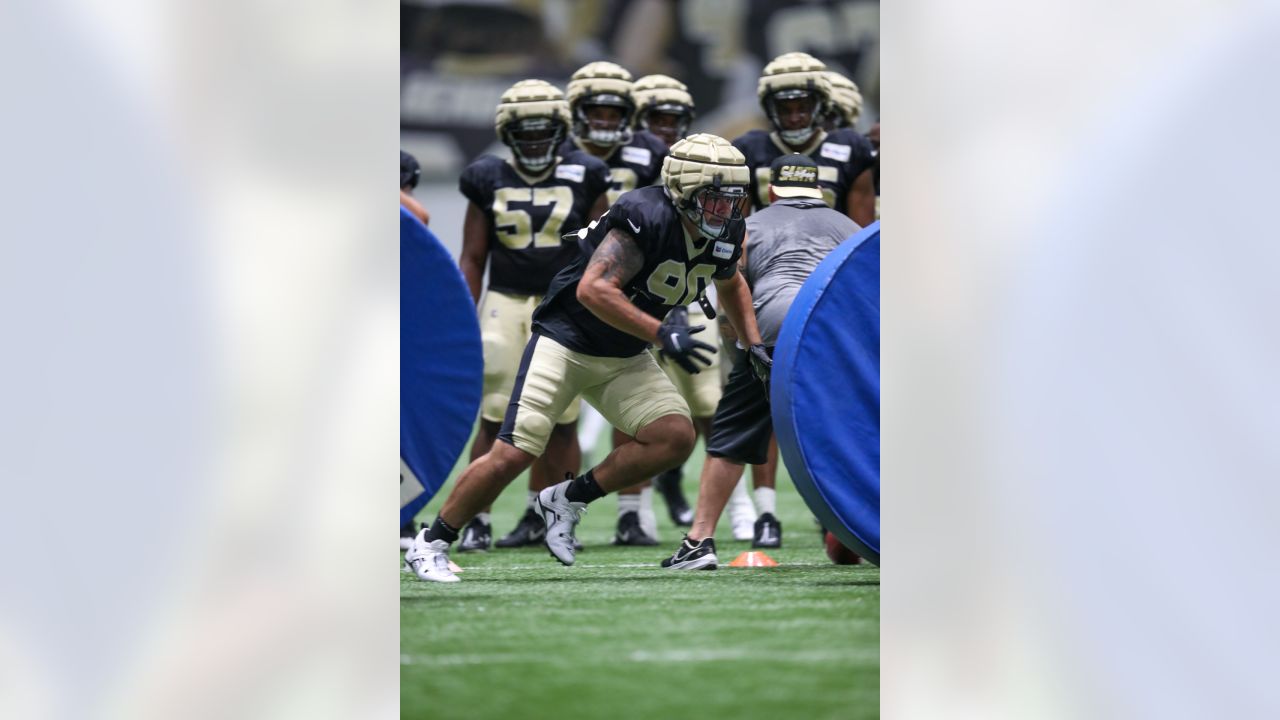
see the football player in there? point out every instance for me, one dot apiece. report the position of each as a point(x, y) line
point(785, 242)
point(665, 108)
point(519, 210)
point(796, 94)
point(652, 253)
point(602, 106)
point(410, 172)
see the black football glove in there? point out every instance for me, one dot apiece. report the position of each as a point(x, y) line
point(761, 365)
point(676, 337)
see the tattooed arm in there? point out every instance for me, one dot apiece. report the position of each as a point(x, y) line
point(612, 266)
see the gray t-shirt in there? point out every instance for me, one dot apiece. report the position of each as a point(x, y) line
point(785, 242)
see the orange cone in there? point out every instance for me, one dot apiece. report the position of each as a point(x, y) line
point(754, 558)
point(454, 568)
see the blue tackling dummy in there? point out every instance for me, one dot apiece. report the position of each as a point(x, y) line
point(441, 365)
point(826, 392)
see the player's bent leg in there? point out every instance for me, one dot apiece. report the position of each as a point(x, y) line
point(482, 482)
point(562, 454)
point(636, 397)
point(661, 444)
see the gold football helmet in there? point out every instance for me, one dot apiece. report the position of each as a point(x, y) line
point(790, 77)
point(596, 84)
point(532, 119)
point(707, 179)
point(663, 95)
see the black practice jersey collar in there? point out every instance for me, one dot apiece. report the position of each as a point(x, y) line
point(583, 147)
point(818, 137)
point(534, 179)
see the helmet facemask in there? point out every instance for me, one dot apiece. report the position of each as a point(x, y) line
point(668, 131)
point(533, 140)
point(607, 133)
point(715, 209)
point(784, 102)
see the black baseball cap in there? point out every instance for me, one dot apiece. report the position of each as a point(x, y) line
point(795, 176)
point(410, 171)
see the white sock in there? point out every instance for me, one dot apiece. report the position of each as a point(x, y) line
point(740, 500)
point(628, 503)
point(483, 517)
point(766, 500)
point(533, 495)
point(648, 521)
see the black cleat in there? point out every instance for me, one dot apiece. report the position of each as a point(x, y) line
point(630, 532)
point(529, 531)
point(768, 532)
point(476, 537)
point(668, 485)
point(693, 556)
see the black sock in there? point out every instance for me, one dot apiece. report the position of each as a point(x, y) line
point(441, 530)
point(584, 489)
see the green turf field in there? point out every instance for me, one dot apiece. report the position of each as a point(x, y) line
point(615, 636)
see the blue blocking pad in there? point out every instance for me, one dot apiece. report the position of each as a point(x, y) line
point(441, 365)
point(826, 392)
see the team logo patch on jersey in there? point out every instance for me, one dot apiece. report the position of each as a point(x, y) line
point(837, 152)
point(572, 173)
point(636, 155)
point(722, 250)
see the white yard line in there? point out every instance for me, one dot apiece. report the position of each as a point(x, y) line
point(680, 655)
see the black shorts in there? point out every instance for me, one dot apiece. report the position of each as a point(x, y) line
point(743, 424)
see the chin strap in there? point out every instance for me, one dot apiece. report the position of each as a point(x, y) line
point(706, 305)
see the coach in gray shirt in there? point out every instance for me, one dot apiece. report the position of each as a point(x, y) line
point(784, 243)
point(788, 239)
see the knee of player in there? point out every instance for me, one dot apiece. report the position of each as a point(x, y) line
point(678, 437)
point(507, 460)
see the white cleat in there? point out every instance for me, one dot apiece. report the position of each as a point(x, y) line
point(561, 517)
point(430, 560)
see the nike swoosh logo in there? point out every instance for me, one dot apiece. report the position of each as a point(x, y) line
point(634, 227)
point(675, 341)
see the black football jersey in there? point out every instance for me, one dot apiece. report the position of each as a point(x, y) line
point(841, 155)
point(675, 269)
point(528, 220)
point(634, 165)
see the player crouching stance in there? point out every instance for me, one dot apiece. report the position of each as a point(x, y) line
point(656, 249)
